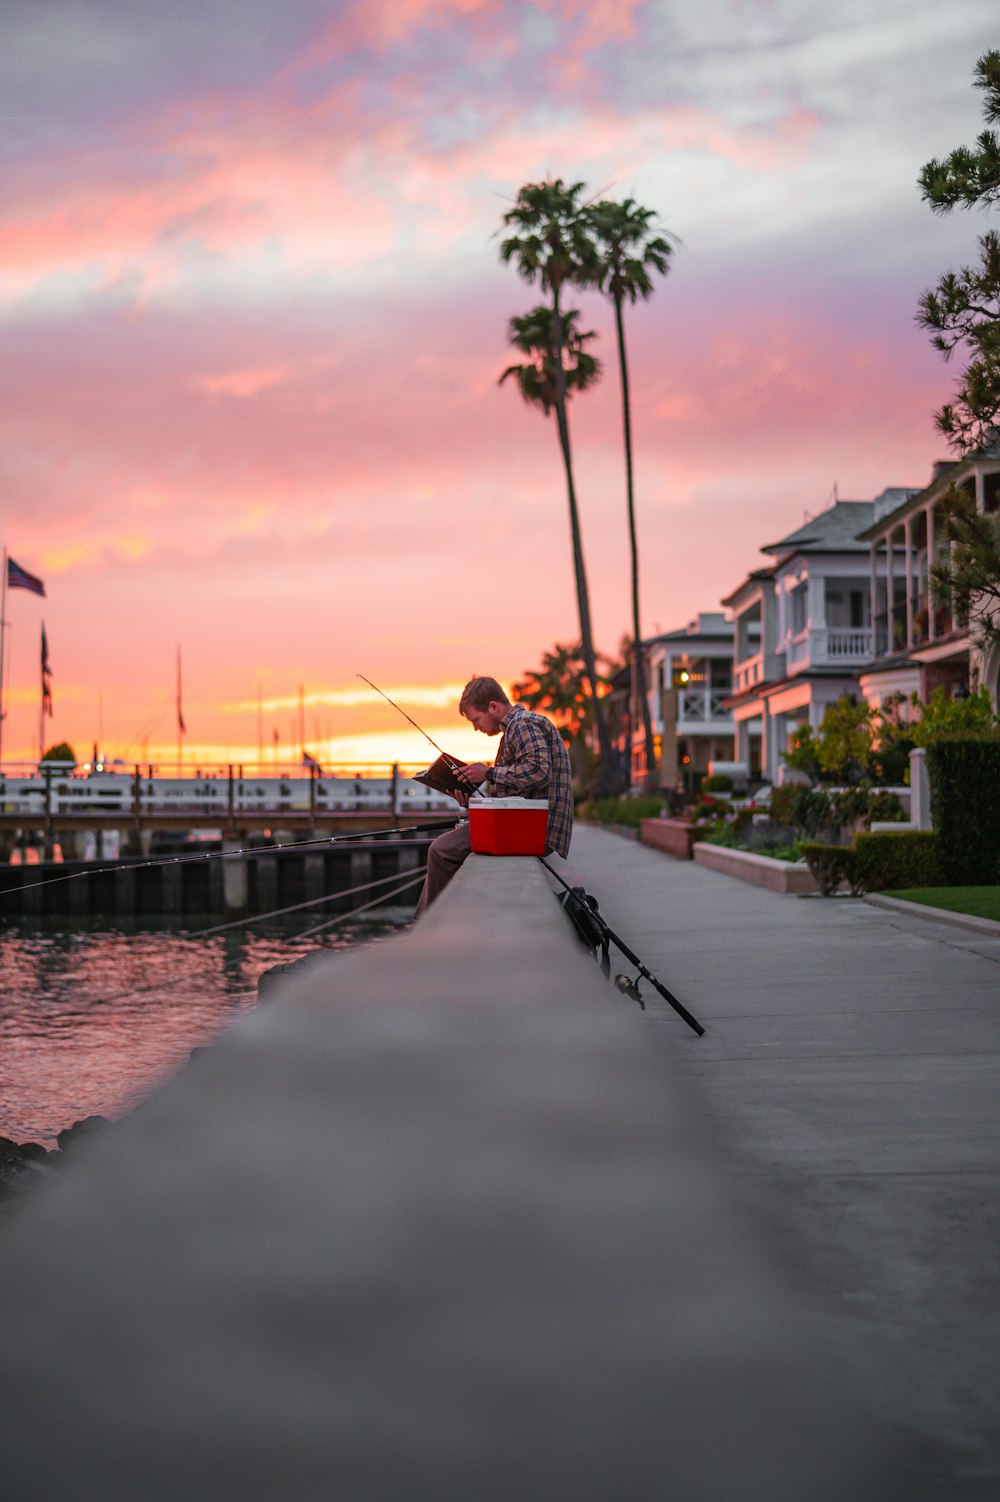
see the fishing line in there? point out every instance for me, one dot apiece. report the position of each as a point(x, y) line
point(200, 933)
point(224, 855)
point(296, 907)
point(402, 712)
point(340, 917)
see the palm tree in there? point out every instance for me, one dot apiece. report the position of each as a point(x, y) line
point(627, 252)
point(556, 688)
point(551, 243)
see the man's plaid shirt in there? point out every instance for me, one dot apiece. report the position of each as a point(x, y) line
point(533, 762)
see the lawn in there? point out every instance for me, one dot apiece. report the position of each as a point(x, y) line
point(981, 902)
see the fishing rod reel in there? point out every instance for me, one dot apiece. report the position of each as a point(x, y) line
point(583, 911)
point(629, 987)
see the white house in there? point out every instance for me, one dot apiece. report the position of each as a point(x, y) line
point(689, 678)
point(802, 630)
point(918, 645)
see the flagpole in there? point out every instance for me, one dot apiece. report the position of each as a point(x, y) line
point(260, 728)
point(180, 718)
point(3, 636)
point(41, 708)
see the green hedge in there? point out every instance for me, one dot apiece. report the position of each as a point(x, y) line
point(829, 864)
point(910, 858)
point(620, 810)
point(719, 782)
point(965, 808)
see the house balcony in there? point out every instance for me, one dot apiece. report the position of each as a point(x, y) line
point(830, 646)
point(887, 642)
point(703, 709)
point(749, 672)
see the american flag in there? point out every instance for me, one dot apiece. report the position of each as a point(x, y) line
point(19, 578)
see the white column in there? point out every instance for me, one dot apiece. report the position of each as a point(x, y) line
point(234, 877)
point(908, 565)
point(873, 592)
point(920, 790)
point(816, 601)
point(890, 591)
point(980, 492)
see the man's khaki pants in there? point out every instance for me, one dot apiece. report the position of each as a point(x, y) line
point(444, 857)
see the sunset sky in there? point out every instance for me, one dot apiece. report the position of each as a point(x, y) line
point(252, 317)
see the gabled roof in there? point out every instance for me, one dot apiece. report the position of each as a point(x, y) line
point(756, 574)
point(832, 531)
point(710, 625)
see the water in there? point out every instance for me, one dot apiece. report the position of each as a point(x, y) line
point(93, 1019)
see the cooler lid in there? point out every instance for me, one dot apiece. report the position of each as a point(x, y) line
point(502, 805)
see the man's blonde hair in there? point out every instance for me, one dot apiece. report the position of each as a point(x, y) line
point(480, 693)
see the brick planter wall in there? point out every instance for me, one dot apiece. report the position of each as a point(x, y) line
point(791, 877)
point(672, 836)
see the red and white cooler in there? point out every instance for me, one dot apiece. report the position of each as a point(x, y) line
point(508, 826)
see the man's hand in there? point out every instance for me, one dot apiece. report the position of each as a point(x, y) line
point(474, 773)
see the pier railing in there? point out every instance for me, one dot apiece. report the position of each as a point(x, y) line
point(214, 792)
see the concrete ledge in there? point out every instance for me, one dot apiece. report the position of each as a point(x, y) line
point(793, 878)
point(673, 836)
point(967, 921)
point(436, 1222)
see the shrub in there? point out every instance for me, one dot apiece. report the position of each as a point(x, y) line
point(803, 751)
point(965, 808)
point(829, 864)
point(704, 808)
point(949, 719)
point(910, 858)
point(719, 782)
point(621, 810)
point(782, 803)
point(892, 755)
point(812, 811)
point(884, 807)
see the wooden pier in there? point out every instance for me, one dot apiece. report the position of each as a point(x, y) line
point(258, 881)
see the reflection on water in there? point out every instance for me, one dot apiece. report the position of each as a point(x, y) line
point(92, 1020)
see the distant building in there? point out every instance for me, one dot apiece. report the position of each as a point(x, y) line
point(689, 678)
point(802, 630)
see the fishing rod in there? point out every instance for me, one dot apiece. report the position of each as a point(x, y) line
point(443, 775)
point(582, 909)
point(403, 713)
point(131, 864)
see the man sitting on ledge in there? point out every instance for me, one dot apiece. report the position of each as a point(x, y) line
point(532, 762)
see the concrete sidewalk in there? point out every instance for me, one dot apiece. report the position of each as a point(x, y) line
point(850, 1063)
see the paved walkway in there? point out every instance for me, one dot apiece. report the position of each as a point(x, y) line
point(850, 1062)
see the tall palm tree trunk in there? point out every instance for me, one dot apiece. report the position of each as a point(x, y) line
point(638, 662)
point(607, 777)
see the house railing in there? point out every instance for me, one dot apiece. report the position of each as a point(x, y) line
point(749, 672)
point(853, 644)
point(830, 644)
point(699, 705)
